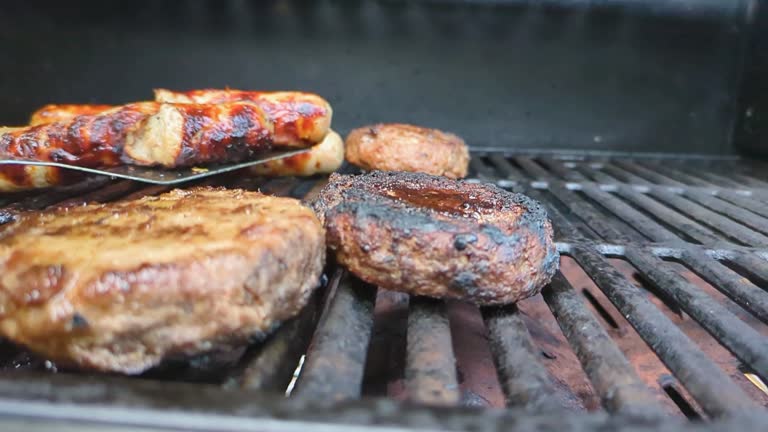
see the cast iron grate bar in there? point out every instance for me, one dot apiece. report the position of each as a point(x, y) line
point(430, 366)
point(751, 220)
point(674, 172)
point(563, 227)
point(647, 174)
point(714, 178)
point(737, 288)
point(751, 181)
point(624, 175)
point(716, 393)
point(524, 379)
point(531, 168)
point(561, 170)
point(596, 174)
point(335, 361)
point(754, 266)
point(676, 176)
point(741, 339)
point(639, 221)
point(714, 220)
point(672, 218)
point(612, 376)
point(606, 228)
point(507, 169)
point(744, 202)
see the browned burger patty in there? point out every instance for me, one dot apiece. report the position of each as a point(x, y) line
point(402, 147)
point(432, 236)
point(120, 286)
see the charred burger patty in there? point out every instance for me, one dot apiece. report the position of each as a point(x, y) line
point(433, 236)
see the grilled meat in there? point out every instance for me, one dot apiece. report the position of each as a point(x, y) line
point(180, 129)
point(84, 140)
point(323, 158)
point(401, 147)
point(433, 236)
point(120, 286)
point(300, 119)
point(196, 134)
point(188, 134)
point(65, 112)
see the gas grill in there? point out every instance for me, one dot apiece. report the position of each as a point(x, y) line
point(665, 250)
point(640, 127)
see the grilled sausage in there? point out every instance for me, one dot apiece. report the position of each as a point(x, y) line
point(64, 112)
point(401, 147)
point(298, 118)
point(433, 236)
point(85, 140)
point(181, 135)
point(293, 119)
point(120, 286)
point(323, 158)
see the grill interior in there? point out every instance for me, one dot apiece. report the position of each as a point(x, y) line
point(657, 316)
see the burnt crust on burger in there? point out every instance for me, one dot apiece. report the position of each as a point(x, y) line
point(432, 236)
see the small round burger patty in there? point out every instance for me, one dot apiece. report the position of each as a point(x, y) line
point(433, 236)
point(402, 147)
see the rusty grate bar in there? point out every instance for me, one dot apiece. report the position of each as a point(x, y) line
point(639, 221)
point(681, 223)
point(562, 171)
point(716, 393)
point(754, 266)
point(749, 180)
point(647, 174)
point(596, 174)
point(615, 381)
point(680, 176)
point(531, 168)
point(624, 175)
point(749, 219)
point(737, 288)
point(713, 178)
point(430, 366)
point(606, 228)
point(714, 220)
point(505, 167)
point(741, 339)
point(333, 369)
point(744, 202)
point(524, 379)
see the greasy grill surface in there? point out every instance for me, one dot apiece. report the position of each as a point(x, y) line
point(661, 301)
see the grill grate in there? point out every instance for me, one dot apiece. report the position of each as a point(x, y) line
point(662, 216)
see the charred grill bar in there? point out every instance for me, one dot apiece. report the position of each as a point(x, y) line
point(662, 216)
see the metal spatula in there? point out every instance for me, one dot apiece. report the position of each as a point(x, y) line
point(163, 176)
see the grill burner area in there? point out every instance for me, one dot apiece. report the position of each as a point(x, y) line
point(658, 315)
